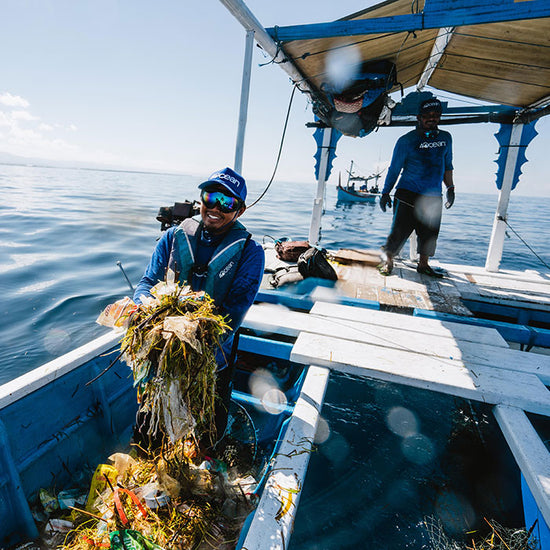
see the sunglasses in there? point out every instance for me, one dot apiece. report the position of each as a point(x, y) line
point(225, 203)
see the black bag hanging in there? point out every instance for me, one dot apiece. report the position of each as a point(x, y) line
point(313, 263)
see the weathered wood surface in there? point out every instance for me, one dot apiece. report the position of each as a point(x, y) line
point(430, 337)
point(274, 517)
point(409, 323)
point(471, 381)
point(530, 453)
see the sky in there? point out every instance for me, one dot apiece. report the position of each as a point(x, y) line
point(155, 86)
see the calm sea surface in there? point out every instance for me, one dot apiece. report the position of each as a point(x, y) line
point(62, 232)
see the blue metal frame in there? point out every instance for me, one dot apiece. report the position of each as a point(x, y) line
point(436, 14)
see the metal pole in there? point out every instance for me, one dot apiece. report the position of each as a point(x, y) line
point(496, 245)
point(245, 93)
point(315, 227)
point(248, 20)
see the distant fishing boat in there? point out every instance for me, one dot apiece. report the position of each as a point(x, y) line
point(365, 192)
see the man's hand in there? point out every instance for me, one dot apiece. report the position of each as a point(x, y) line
point(450, 196)
point(385, 200)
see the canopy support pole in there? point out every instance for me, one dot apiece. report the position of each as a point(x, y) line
point(315, 227)
point(245, 94)
point(496, 245)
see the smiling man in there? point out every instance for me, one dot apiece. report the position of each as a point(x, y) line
point(215, 254)
point(423, 159)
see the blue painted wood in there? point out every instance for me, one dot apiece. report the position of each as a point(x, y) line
point(436, 14)
point(519, 333)
point(533, 517)
point(522, 315)
point(295, 301)
point(265, 346)
point(509, 331)
point(62, 429)
point(14, 499)
point(305, 302)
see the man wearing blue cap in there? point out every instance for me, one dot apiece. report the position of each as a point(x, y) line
point(424, 159)
point(217, 255)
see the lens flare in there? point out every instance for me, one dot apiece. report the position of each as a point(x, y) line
point(402, 421)
point(342, 67)
point(265, 388)
point(57, 341)
point(273, 401)
point(323, 431)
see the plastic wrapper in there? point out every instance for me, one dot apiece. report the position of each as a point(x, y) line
point(117, 315)
point(100, 483)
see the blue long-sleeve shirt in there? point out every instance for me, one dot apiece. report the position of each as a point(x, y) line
point(422, 162)
point(244, 287)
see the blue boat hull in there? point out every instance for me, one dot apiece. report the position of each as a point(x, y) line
point(347, 195)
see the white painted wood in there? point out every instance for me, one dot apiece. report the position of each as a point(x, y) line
point(496, 244)
point(530, 453)
point(506, 299)
point(39, 377)
point(444, 36)
point(274, 517)
point(245, 93)
point(528, 275)
point(317, 212)
point(416, 339)
point(514, 286)
point(456, 331)
point(478, 382)
point(249, 21)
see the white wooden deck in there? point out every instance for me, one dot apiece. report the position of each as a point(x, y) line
point(406, 289)
point(461, 360)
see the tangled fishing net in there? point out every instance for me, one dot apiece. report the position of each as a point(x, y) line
point(498, 538)
point(170, 495)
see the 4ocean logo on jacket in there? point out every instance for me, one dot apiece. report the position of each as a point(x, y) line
point(226, 269)
point(432, 144)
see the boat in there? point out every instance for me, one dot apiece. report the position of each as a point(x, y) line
point(364, 193)
point(451, 337)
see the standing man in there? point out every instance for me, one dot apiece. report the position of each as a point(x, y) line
point(424, 159)
point(217, 255)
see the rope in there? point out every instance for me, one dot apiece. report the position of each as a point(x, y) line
point(502, 219)
point(280, 150)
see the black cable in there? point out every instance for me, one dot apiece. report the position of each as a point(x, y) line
point(501, 218)
point(280, 149)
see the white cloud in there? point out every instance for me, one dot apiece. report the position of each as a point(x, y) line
point(45, 127)
point(22, 115)
point(11, 100)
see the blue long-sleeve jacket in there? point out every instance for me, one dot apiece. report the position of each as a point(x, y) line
point(421, 161)
point(236, 303)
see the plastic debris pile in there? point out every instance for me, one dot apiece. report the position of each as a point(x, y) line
point(169, 495)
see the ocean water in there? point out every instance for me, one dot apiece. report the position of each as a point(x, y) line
point(62, 232)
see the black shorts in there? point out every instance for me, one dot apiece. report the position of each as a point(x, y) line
point(414, 212)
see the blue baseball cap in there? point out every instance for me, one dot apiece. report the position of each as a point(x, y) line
point(430, 105)
point(232, 181)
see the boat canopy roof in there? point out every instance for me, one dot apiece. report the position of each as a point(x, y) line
point(497, 52)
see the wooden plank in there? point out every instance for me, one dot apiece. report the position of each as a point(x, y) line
point(478, 382)
point(434, 327)
point(530, 453)
point(273, 519)
point(476, 345)
point(502, 275)
point(384, 329)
